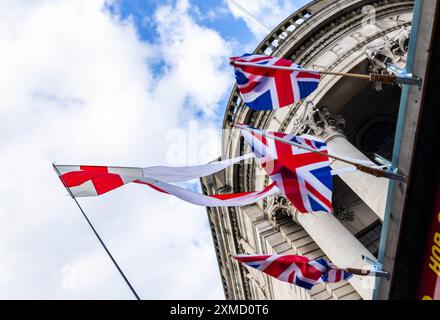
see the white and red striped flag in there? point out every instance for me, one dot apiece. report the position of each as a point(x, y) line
point(87, 181)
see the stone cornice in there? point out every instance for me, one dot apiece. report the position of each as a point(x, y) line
point(320, 41)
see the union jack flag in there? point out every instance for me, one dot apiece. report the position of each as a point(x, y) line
point(298, 270)
point(268, 89)
point(333, 273)
point(303, 176)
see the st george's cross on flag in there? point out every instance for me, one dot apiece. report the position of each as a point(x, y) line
point(298, 270)
point(269, 89)
point(303, 176)
point(88, 181)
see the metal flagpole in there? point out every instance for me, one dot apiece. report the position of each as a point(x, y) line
point(374, 171)
point(384, 78)
point(250, 15)
point(97, 235)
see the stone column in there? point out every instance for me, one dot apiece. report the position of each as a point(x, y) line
point(337, 242)
point(372, 190)
point(322, 123)
point(339, 245)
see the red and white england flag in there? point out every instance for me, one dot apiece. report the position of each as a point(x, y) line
point(87, 181)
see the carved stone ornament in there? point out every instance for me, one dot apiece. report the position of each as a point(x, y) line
point(344, 213)
point(224, 189)
point(320, 122)
point(241, 249)
point(278, 207)
point(392, 51)
point(257, 278)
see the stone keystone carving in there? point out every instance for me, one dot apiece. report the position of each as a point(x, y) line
point(278, 207)
point(321, 123)
point(344, 213)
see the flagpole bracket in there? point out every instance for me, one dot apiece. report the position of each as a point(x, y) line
point(409, 80)
point(402, 77)
point(394, 175)
point(382, 274)
point(368, 272)
point(384, 162)
point(377, 268)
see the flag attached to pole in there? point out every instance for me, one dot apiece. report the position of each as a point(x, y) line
point(269, 89)
point(87, 181)
point(303, 176)
point(294, 269)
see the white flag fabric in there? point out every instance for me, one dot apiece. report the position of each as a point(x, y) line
point(87, 181)
point(179, 174)
point(223, 200)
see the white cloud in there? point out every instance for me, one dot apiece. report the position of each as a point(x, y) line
point(78, 87)
point(195, 56)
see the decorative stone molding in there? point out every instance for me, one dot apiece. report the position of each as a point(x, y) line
point(320, 123)
point(241, 249)
point(257, 278)
point(234, 225)
point(278, 207)
point(393, 50)
point(259, 282)
point(344, 213)
point(225, 189)
point(304, 53)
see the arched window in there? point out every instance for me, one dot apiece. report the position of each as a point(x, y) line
point(377, 136)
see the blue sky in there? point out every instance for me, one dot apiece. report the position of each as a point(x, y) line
point(211, 14)
point(124, 83)
point(223, 16)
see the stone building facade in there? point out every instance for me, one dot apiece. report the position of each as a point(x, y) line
point(355, 117)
